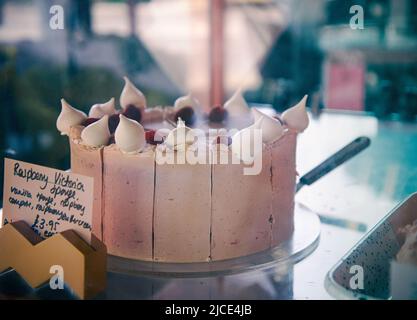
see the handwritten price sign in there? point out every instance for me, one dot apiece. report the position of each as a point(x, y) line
point(49, 200)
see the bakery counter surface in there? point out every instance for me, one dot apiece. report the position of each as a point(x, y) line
point(362, 190)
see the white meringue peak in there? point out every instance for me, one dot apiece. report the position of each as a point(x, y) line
point(272, 129)
point(180, 136)
point(96, 134)
point(131, 96)
point(186, 101)
point(130, 135)
point(68, 118)
point(296, 117)
point(247, 143)
point(100, 109)
point(236, 105)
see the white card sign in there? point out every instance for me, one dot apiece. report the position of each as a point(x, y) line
point(49, 200)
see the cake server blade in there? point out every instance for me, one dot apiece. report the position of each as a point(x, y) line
point(335, 160)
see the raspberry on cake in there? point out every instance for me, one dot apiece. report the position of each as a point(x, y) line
point(133, 113)
point(218, 114)
point(150, 137)
point(186, 114)
point(114, 122)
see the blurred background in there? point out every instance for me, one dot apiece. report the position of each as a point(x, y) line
point(275, 50)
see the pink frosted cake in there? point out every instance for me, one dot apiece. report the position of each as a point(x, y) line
point(175, 184)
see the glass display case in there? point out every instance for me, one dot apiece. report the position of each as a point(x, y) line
point(356, 60)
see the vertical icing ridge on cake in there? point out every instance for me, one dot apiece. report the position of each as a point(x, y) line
point(204, 209)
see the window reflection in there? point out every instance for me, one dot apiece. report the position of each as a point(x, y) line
point(275, 50)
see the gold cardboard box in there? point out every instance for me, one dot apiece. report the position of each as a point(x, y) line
point(31, 256)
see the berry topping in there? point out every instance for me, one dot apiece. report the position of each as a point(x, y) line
point(224, 140)
point(114, 120)
point(186, 114)
point(89, 121)
point(150, 137)
point(218, 114)
point(133, 113)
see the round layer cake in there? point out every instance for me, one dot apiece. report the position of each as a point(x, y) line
point(177, 184)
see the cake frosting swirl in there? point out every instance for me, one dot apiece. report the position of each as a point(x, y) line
point(187, 101)
point(97, 134)
point(69, 117)
point(296, 117)
point(132, 96)
point(100, 109)
point(180, 137)
point(272, 128)
point(245, 146)
point(237, 106)
point(130, 135)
